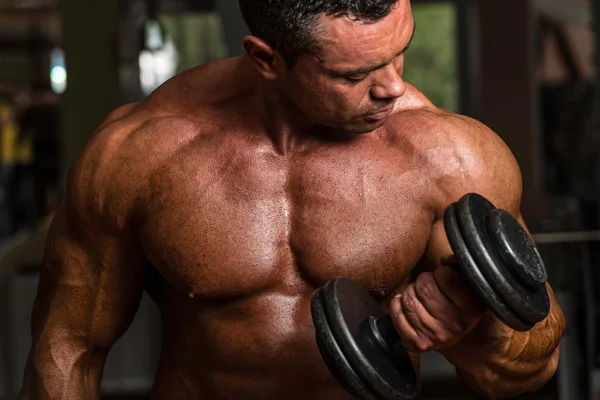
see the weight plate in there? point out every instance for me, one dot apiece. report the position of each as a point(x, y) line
point(472, 214)
point(349, 308)
point(517, 250)
point(332, 354)
point(467, 268)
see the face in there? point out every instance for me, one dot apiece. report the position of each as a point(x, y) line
point(355, 78)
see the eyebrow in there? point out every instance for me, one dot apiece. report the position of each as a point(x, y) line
point(364, 70)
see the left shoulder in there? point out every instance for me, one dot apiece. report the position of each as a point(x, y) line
point(487, 165)
point(463, 156)
point(492, 169)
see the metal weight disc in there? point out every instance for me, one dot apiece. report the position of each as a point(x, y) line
point(517, 250)
point(468, 269)
point(349, 308)
point(472, 214)
point(332, 354)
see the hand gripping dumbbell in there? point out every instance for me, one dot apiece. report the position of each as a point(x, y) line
point(359, 342)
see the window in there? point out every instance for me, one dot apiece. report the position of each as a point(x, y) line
point(198, 37)
point(432, 61)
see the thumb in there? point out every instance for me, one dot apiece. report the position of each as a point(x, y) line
point(449, 260)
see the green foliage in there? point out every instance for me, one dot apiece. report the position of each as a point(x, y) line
point(431, 64)
point(198, 37)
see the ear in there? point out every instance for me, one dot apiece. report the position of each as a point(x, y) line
point(267, 61)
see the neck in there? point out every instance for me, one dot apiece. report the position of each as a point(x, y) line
point(284, 124)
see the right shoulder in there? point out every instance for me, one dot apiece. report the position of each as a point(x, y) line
point(104, 183)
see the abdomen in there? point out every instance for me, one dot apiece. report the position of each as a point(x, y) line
point(263, 347)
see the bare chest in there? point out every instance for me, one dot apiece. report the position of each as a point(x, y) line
point(244, 226)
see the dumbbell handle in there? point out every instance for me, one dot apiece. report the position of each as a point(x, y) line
point(383, 333)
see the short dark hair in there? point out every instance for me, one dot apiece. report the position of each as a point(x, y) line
point(289, 25)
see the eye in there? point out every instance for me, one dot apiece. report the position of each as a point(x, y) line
point(356, 78)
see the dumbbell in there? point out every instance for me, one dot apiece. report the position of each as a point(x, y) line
point(359, 342)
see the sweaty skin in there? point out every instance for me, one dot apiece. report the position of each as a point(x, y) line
point(231, 222)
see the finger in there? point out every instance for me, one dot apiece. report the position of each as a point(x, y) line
point(429, 329)
point(457, 289)
point(409, 338)
point(438, 305)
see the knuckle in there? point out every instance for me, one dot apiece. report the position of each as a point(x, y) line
point(410, 304)
point(423, 345)
point(457, 327)
point(424, 290)
point(443, 337)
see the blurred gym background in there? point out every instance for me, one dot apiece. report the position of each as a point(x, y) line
point(524, 67)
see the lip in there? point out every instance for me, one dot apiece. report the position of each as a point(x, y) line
point(380, 114)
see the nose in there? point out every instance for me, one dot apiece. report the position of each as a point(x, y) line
point(389, 84)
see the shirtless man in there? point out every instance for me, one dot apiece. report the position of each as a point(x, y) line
point(249, 183)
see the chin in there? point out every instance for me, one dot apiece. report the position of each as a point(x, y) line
point(363, 131)
point(354, 127)
point(364, 128)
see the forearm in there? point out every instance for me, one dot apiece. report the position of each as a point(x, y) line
point(498, 382)
point(63, 373)
point(499, 362)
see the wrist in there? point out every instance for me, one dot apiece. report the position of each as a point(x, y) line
point(75, 377)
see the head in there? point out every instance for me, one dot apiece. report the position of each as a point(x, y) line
point(336, 62)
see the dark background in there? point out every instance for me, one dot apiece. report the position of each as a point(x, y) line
point(526, 68)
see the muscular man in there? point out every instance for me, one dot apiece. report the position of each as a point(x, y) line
point(249, 183)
